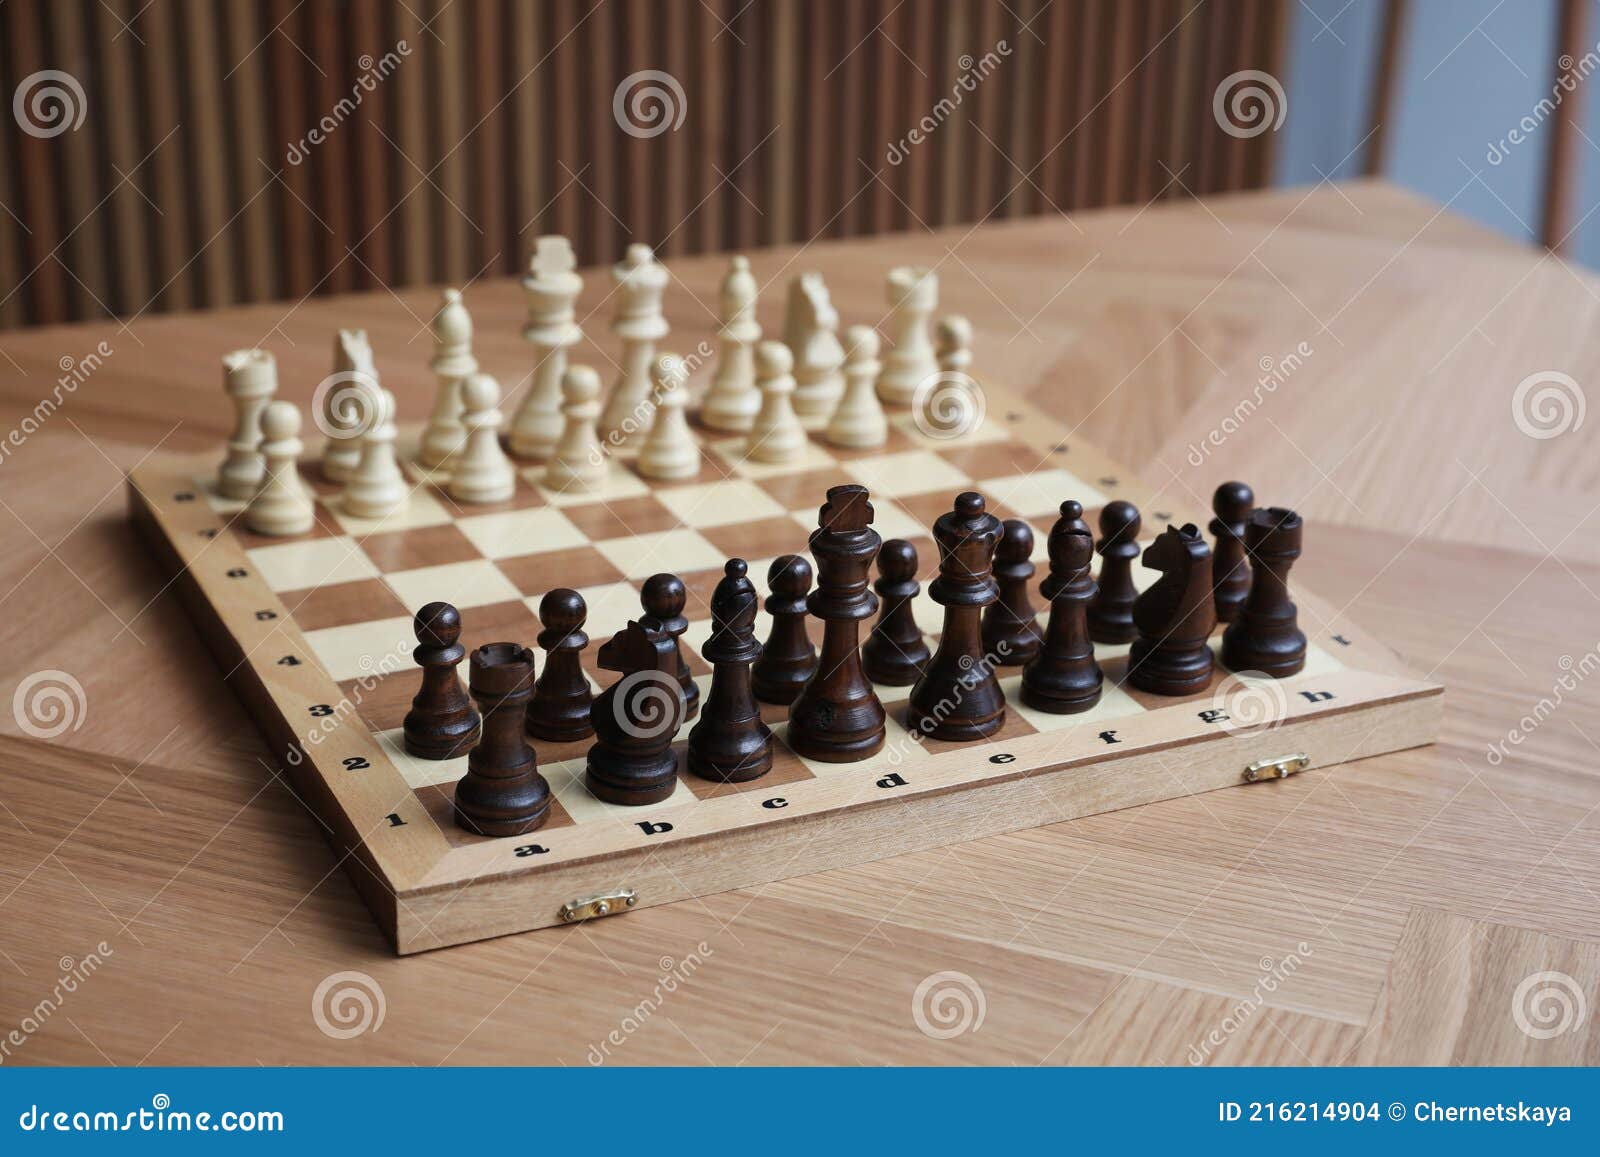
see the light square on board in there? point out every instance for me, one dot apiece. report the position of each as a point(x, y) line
point(421, 509)
point(898, 750)
point(567, 785)
point(989, 430)
point(619, 482)
point(674, 551)
point(312, 562)
point(517, 532)
point(913, 472)
point(362, 649)
point(889, 519)
point(1115, 703)
point(811, 457)
point(719, 503)
point(1040, 493)
point(419, 772)
point(463, 584)
point(610, 605)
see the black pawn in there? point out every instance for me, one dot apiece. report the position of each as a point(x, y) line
point(1064, 677)
point(502, 793)
point(731, 743)
point(1111, 611)
point(442, 722)
point(1230, 566)
point(1266, 636)
point(636, 718)
point(663, 599)
point(559, 712)
point(1010, 630)
point(895, 653)
point(788, 659)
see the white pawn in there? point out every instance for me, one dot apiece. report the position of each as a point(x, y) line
point(452, 361)
point(377, 489)
point(641, 281)
point(552, 290)
point(812, 331)
point(732, 401)
point(346, 395)
point(776, 435)
point(481, 472)
point(282, 505)
point(858, 421)
point(669, 450)
point(251, 379)
point(913, 296)
point(578, 464)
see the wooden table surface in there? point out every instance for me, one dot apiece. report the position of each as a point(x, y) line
point(1399, 909)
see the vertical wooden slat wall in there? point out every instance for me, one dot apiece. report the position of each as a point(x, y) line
point(259, 150)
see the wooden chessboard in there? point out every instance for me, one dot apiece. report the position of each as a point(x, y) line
point(314, 633)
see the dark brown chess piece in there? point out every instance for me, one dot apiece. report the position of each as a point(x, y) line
point(1230, 568)
point(837, 717)
point(1266, 636)
point(1064, 677)
point(958, 697)
point(787, 658)
point(1175, 616)
point(502, 793)
point(636, 718)
point(731, 743)
point(663, 599)
point(442, 722)
point(895, 652)
point(559, 711)
point(1011, 633)
point(1111, 610)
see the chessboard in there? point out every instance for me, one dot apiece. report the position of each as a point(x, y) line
point(315, 633)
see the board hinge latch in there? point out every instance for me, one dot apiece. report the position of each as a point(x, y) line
point(605, 904)
point(1277, 768)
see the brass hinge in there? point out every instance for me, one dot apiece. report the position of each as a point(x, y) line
point(605, 904)
point(1283, 765)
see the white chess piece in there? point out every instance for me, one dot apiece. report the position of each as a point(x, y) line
point(776, 435)
point(953, 346)
point(377, 489)
point(858, 422)
point(641, 282)
point(578, 464)
point(552, 289)
point(251, 379)
point(732, 401)
point(482, 472)
point(818, 384)
point(281, 506)
point(669, 449)
point(452, 361)
point(913, 296)
point(346, 396)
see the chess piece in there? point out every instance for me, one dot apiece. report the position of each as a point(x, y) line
point(732, 401)
point(635, 719)
point(958, 697)
point(347, 395)
point(251, 379)
point(787, 658)
point(1175, 616)
point(669, 450)
point(776, 434)
point(952, 346)
point(281, 506)
point(858, 422)
point(452, 362)
point(1232, 504)
point(1266, 636)
point(377, 489)
point(812, 337)
point(1111, 610)
point(837, 717)
point(481, 472)
point(1064, 678)
point(502, 793)
point(913, 296)
point(1010, 627)
point(552, 287)
point(663, 599)
point(639, 324)
point(895, 653)
point(578, 465)
point(442, 722)
point(731, 743)
point(560, 708)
